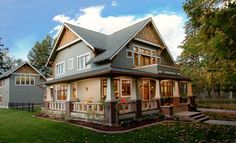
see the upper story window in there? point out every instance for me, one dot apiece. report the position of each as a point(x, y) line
point(2, 83)
point(82, 60)
point(25, 79)
point(143, 57)
point(60, 68)
point(70, 64)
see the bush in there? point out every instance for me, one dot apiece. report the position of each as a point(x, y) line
point(160, 115)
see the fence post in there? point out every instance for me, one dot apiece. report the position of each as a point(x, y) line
point(28, 106)
point(32, 107)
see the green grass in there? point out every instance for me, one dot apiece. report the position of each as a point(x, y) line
point(20, 127)
point(217, 103)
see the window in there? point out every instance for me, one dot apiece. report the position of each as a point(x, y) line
point(2, 83)
point(61, 92)
point(24, 79)
point(104, 88)
point(129, 54)
point(82, 62)
point(126, 87)
point(183, 88)
point(166, 88)
point(143, 57)
point(60, 68)
point(70, 64)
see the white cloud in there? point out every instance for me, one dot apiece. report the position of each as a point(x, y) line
point(114, 3)
point(169, 25)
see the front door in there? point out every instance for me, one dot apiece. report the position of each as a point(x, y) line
point(146, 89)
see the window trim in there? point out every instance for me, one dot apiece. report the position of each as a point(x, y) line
point(3, 83)
point(72, 61)
point(121, 79)
point(132, 53)
point(30, 77)
point(63, 68)
point(87, 65)
point(139, 54)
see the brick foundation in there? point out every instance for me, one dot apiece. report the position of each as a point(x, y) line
point(110, 113)
point(176, 101)
point(167, 111)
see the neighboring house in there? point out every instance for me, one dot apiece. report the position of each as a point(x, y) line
point(19, 85)
point(94, 73)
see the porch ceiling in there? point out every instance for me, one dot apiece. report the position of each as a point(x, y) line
point(116, 72)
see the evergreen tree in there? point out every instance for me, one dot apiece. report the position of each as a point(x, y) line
point(39, 54)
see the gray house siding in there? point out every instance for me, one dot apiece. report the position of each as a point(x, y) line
point(121, 60)
point(25, 94)
point(72, 52)
point(4, 92)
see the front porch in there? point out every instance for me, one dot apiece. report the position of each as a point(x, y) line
point(108, 100)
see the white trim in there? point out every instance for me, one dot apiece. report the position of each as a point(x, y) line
point(30, 76)
point(148, 42)
point(162, 40)
point(64, 70)
point(121, 79)
point(68, 44)
point(132, 56)
point(145, 66)
point(30, 66)
point(63, 26)
point(70, 68)
point(80, 36)
point(87, 66)
point(3, 83)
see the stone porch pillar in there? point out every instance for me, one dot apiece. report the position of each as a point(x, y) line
point(110, 113)
point(68, 107)
point(137, 105)
point(176, 98)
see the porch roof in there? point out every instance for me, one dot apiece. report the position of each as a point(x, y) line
point(116, 72)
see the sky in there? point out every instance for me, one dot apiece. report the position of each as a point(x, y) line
point(23, 22)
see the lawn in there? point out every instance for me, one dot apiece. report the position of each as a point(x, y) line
point(217, 103)
point(20, 127)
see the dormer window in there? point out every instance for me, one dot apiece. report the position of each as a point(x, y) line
point(144, 57)
point(82, 61)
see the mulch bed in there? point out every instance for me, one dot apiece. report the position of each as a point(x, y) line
point(104, 127)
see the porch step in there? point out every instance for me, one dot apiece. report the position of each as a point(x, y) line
point(191, 116)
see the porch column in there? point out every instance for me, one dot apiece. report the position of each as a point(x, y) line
point(176, 98)
point(110, 113)
point(68, 107)
point(110, 90)
point(190, 92)
point(158, 91)
point(135, 90)
point(137, 105)
point(69, 92)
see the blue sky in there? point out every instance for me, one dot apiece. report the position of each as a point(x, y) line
point(23, 22)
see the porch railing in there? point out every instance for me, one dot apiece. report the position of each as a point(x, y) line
point(96, 108)
point(58, 105)
point(149, 105)
point(125, 108)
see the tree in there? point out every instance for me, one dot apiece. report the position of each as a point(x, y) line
point(209, 49)
point(39, 54)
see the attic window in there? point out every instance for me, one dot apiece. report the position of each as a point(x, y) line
point(129, 54)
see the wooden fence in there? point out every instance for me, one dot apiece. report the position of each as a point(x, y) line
point(31, 107)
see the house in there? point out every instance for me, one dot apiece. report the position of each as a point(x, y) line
point(18, 86)
point(94, 73)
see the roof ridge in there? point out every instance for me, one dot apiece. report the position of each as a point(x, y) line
point(85, 28)
point(136, 23)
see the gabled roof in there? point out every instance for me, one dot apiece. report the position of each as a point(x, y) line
point(110, 44)
point(9, 72)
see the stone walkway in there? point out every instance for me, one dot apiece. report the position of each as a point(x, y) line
point(216, 110)
point(221, 122)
